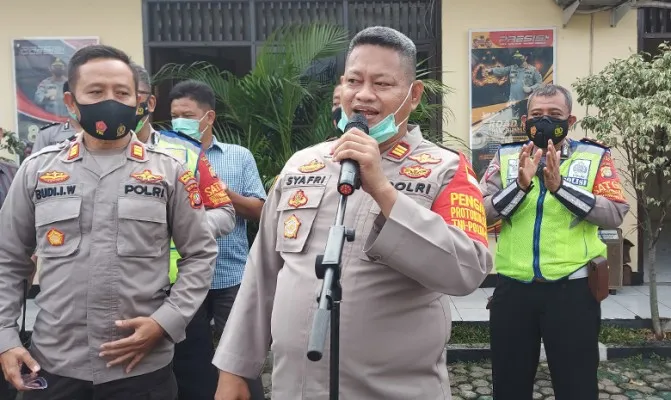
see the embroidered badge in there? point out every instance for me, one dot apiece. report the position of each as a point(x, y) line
point(186, 177)
point(54, 177)
point(532, 131)
point(312, 166)
point(415, 171)
point(147, 176)
point(399, 151)
point(425, 158)
point(216, 195)
point(291, 226)
point(299, 199)
point(137, 151)
point(195, 200)
point(120, 130)
point(101, 127)
point(606, 172)
point(74, 151)
point(55, 237)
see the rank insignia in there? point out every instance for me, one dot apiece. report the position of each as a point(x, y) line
point(299, 199)
point(312, 166)
point(400, 150)
point(137, 151)
point(147, 176)
point(187, 178)
point(54, 177)
point(120, 130)
point(291, 226)
point(101, 127)
point(74, 151)
point(415, 171)
point(425, 158)
point(55, 237)
point(195, 199)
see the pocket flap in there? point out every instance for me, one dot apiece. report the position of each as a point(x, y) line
point(57, 210)
point(302, 197)
point(142, 210)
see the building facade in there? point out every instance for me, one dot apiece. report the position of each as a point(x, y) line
point(228, 33)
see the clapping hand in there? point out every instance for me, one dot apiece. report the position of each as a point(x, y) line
point(528, 165)
point(551, 173)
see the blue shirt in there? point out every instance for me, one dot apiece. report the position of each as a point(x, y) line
point(236, 167)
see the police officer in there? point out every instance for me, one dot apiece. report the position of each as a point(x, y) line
point(418, 238)
point(551, 194)
point(100, 212)
point(523, 78)
point(192, 363)
point(56, 132)
point(50, 91)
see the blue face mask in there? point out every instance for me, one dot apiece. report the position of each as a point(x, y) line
point(383, 130)
point(188, 126)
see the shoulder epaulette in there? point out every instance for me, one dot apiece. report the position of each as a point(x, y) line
point(594, 143)
point(182, 136)
point(49, 125)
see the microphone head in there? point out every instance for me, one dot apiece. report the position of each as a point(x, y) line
point(358, 121)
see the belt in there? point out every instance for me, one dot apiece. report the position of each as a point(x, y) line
point(579, 274)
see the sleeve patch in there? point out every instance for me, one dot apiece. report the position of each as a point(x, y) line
point(461, 204)
point(607, 182)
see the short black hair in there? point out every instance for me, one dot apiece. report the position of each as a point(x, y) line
point(198, 91)
point(391, 39)
point(96, 52)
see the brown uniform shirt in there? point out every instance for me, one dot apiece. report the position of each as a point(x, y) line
point(395, 315)
point(103, 239)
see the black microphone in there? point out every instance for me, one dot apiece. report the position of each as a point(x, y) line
point(349, 169)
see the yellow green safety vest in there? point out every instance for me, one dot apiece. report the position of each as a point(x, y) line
point(189, 158)
point(542, 238)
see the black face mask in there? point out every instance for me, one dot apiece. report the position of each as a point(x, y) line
point(142, 111)
point(542, 129)
point(107, 120)
point(336, 115)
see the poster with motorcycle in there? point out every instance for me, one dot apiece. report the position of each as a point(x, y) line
point(505, 67)
point(40, 70)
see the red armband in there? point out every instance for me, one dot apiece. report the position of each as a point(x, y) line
point(607, 182)
point(461, 205)
point(211, 187)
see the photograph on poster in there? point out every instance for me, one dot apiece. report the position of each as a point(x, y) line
point(40, 69)
point(505, 67)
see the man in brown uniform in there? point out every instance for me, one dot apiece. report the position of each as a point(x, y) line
point(99, 212)
point(420, 235)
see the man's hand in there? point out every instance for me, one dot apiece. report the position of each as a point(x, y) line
point(551, 170)
point(526, 89)
point(147, 333)
point(527, 165)
point(231, 387)
point(358, 146)
point(12, 360)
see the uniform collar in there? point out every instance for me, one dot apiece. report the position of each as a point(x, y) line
point(405, 145)
point(135, 150)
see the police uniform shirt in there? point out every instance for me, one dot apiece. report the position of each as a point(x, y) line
point(53, 134)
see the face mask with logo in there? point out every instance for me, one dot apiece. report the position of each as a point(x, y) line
point(188, 126)
point(107, 120)
point(383, 130)
point(542, 129)
point(141, 116)
point(336, 115)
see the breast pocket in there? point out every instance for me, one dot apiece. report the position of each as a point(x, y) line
point(57, 227)
point(297, 210)
point(143, 227)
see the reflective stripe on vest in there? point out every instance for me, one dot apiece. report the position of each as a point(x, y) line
point(543, 239)
point(190, 161)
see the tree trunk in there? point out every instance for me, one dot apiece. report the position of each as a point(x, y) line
point(654, 305)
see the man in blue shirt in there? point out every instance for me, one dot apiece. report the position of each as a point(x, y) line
point(192, 108)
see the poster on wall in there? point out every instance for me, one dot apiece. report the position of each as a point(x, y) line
point(505, 67)
point(40, 70)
